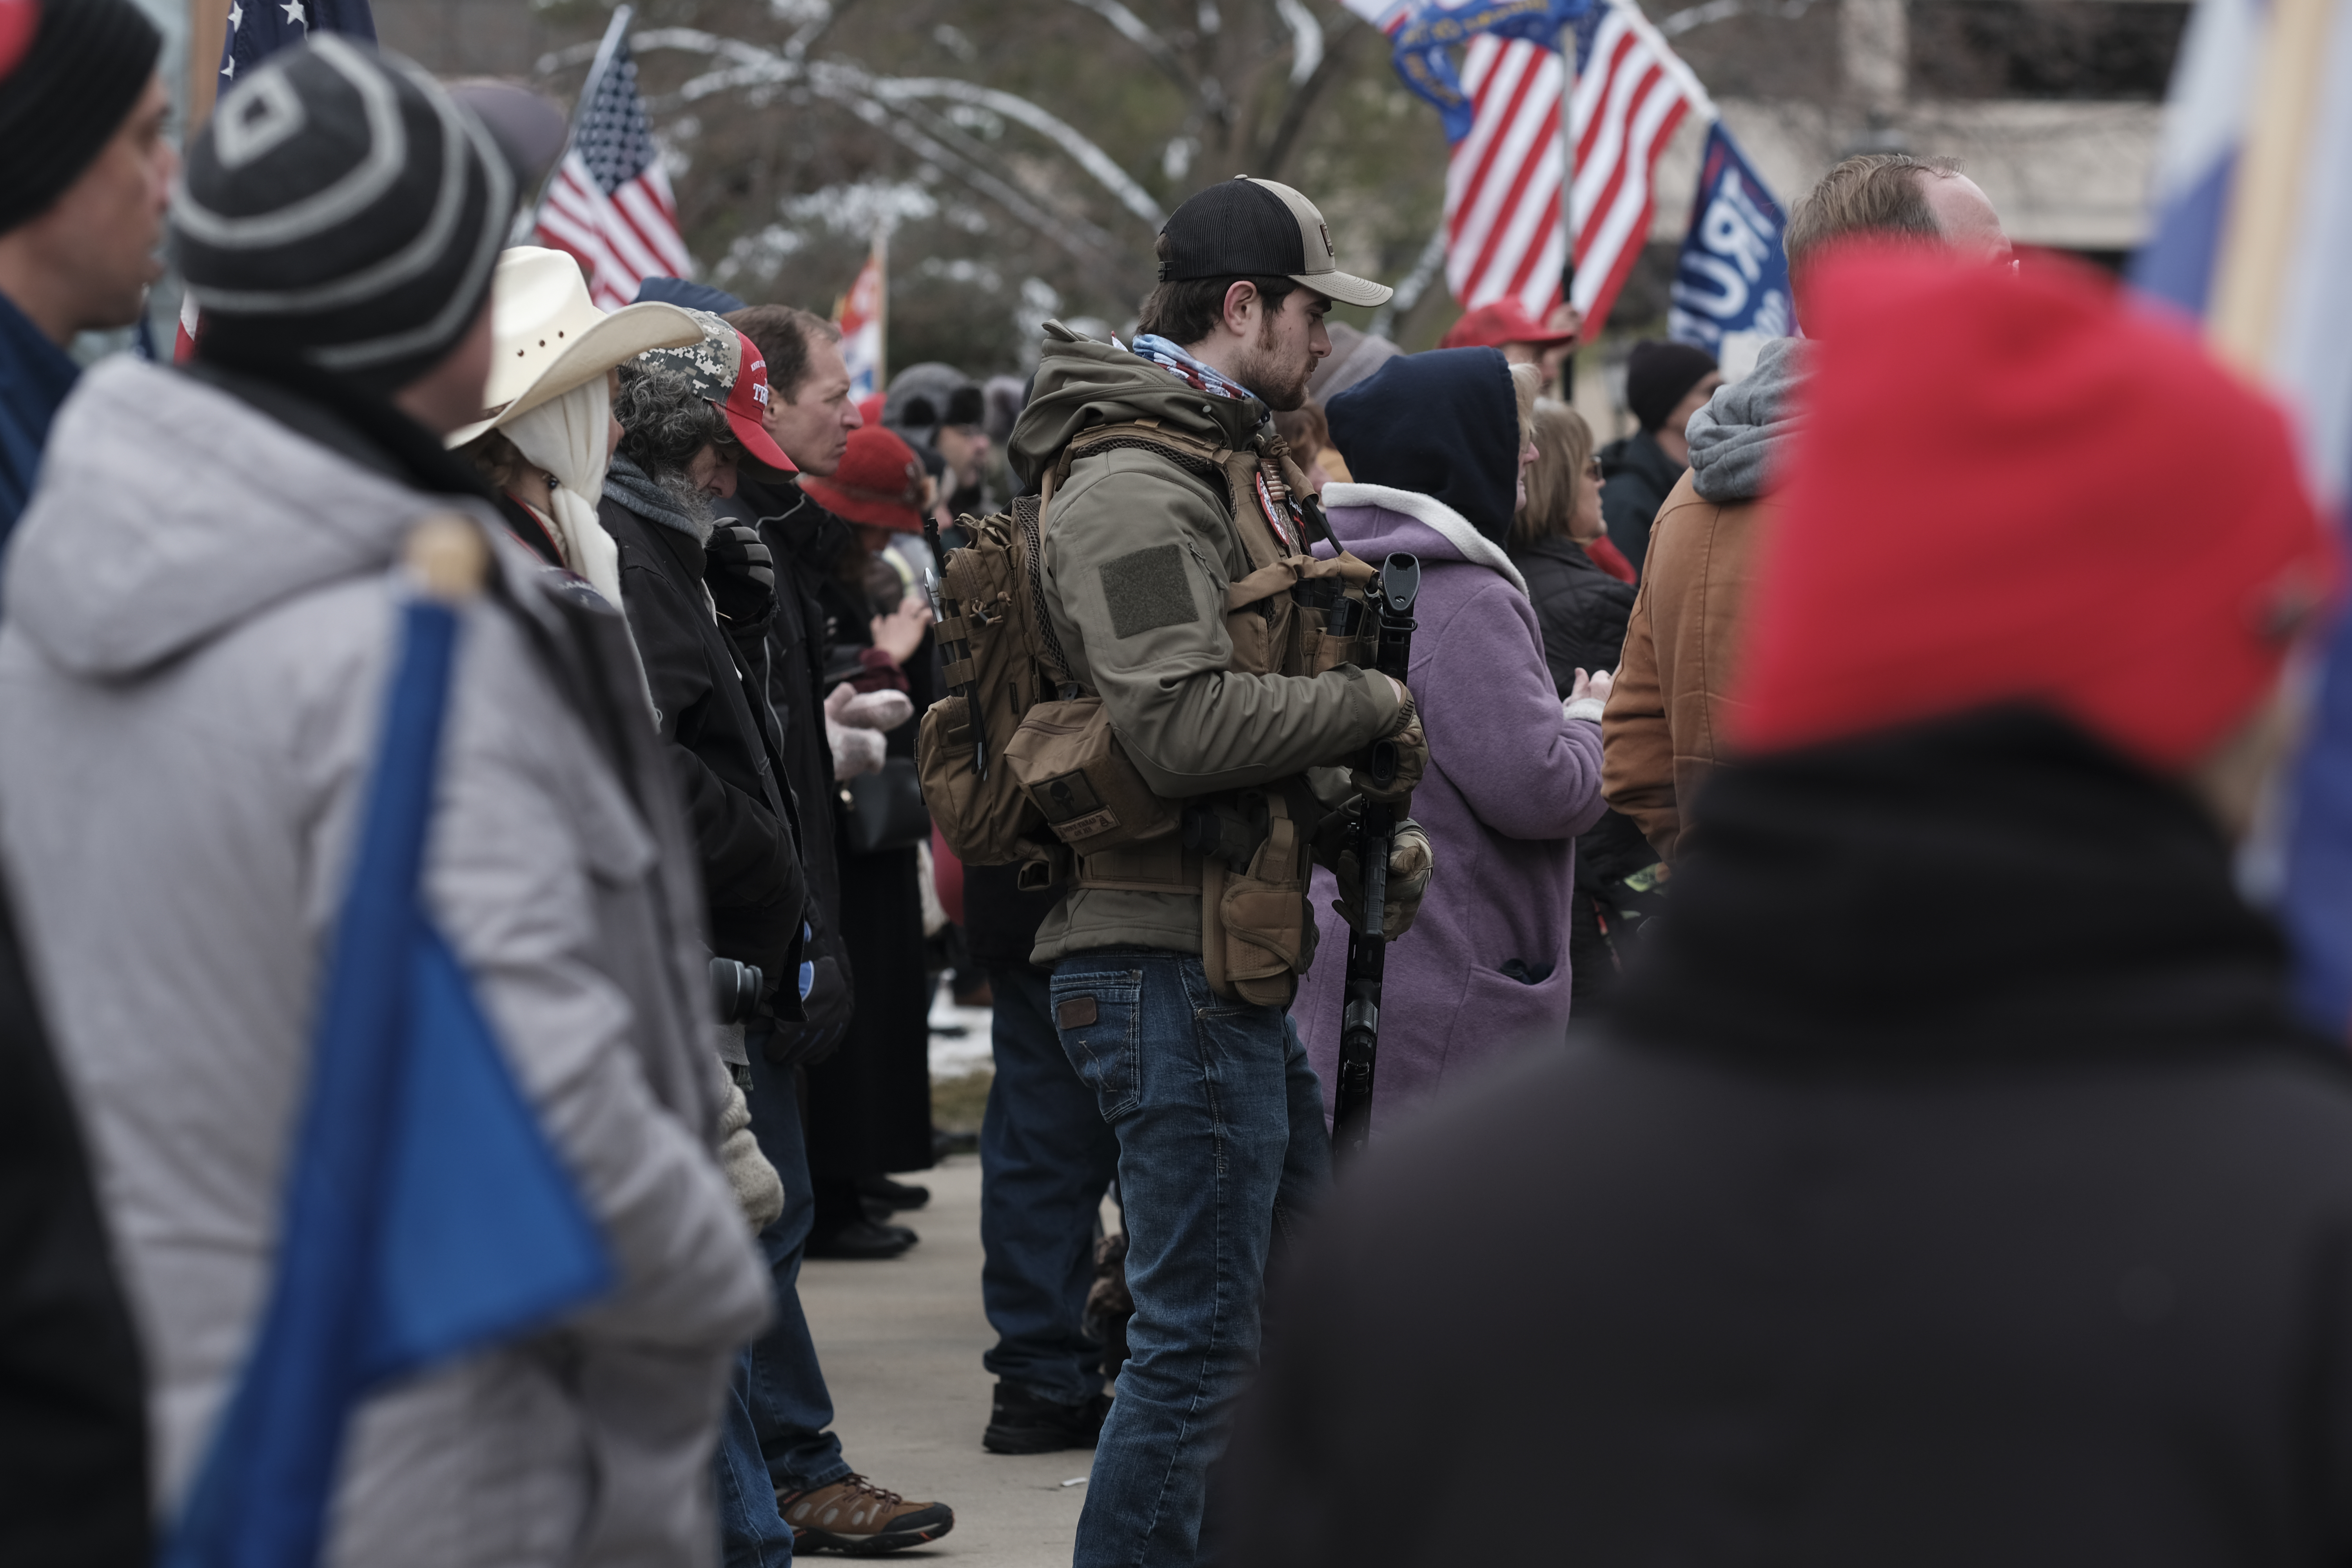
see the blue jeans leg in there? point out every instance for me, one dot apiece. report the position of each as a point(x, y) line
point(1045, 1159)
point(1199, 1092)
point(790, 1405)
point(1306, 1162)
point(751, 1529)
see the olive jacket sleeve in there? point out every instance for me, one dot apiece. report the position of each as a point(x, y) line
point(1138, 556)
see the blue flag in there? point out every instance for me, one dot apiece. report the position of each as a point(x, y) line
point(425, 1212)
point(1732, 276)
point(260, 28)
point(1424, 35)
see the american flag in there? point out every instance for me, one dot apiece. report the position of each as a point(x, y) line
point(609, 203)
point(1504, 237)
point(254, 35)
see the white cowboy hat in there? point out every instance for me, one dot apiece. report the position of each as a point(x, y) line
point(550, 338)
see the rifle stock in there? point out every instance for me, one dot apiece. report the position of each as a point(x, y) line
point(1392, 595)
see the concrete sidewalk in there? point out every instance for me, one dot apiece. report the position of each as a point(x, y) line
point(901, 1343)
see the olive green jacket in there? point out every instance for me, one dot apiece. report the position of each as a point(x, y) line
point(1138, 551)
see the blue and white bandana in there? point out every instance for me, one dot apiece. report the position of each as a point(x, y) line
point(1172, 359)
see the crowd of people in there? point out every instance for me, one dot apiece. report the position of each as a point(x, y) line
point(1852, 753)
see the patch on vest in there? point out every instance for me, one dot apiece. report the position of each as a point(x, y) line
point(1147, 590)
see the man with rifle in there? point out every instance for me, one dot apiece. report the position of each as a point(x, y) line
point(1178, 575)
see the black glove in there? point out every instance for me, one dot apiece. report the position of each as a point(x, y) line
point(741, 573)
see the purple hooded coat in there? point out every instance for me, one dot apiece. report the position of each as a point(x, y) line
point(1511, 782)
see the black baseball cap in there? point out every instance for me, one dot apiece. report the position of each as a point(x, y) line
point(1242, 226)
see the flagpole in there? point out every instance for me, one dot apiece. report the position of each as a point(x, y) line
point(881, 306)
point(614, 31)
point(1567, 150)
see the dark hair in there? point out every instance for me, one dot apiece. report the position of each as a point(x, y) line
point(496, 458)
point(663, 423)
point(1306, 430)
point(782, 334)
point(1185, 312)
point(1869, 193)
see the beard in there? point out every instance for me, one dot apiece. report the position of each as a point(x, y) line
point(1278, 376)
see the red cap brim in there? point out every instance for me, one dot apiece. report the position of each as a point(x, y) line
point(757, 445)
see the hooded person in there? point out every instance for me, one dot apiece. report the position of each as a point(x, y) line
point(1437, 444)
point(1665, 384)
point(1953, 1182)
point(84, 171)
point(203, 610)
point(943, 413)
point(547, 438)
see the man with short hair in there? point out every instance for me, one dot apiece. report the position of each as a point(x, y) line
point(84, 175)
point(203, 606)
point(1173, 970)
point(1659, 737)
point(816, 1494)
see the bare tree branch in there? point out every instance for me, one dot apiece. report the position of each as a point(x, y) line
point(1140, 33)
point(1302, 98)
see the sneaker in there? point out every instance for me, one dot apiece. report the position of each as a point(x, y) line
point(861, 1239)
point(855, 1517)
point(1019, 1422)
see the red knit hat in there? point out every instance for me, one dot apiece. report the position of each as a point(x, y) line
point(880, 481)
point(2020, 486)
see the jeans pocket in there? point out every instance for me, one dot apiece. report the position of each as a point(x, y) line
point(1098, 1018)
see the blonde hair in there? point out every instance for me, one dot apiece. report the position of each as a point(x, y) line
point(1563, 446)
point(1526, 385)
point(1869, 193)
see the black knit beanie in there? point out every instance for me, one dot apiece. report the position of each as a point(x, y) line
point(89, 61)
point(340, 210)
point(1659, 375)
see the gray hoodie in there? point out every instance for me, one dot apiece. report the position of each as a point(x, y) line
point(1738, 437)
point(199, 619)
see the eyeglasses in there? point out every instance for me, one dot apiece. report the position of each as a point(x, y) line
point(1592, 468)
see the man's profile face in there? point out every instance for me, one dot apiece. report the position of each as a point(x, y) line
point(1965, 217)
point(965, 447)
point(104, 232)
point(814, 428)
point(1290, 343)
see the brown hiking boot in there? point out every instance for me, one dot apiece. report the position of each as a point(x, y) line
point(858, 1519)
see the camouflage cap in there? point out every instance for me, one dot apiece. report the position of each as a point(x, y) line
point(724, 367)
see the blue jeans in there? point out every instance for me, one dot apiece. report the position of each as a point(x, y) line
point(1220, 1122)
point(779, 1407)
point(1045, 1159)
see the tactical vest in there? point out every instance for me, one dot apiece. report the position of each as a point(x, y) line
point(1021, 763)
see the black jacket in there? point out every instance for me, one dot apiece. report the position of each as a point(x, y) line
point(1639, 473)
point(1951, 1189)
point(803, 538)
point(73, 1419)
point(723, 756)
point(1582, 612)
point(1580, 609)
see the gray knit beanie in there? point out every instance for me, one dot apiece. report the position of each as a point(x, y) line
point(339, 209)
point(89, 62)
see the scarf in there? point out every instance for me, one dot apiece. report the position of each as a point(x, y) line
point(655, 502)
point(1169, 357)
point(565, 438)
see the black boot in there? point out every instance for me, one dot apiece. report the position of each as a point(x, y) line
point(1019, 1422)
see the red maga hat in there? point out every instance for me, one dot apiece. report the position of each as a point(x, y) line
point(1504, 321)
point(2024, 488)
point(880, 481)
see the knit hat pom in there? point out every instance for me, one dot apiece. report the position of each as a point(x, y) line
point(2021, 486)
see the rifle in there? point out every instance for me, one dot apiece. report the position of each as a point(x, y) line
point(1391, 596)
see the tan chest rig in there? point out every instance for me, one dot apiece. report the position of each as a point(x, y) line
point(1082, 815)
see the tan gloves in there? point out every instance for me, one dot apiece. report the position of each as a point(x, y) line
point(854, 726)
point(1409, 748)
point(759, 1190)
point(1412, 860)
